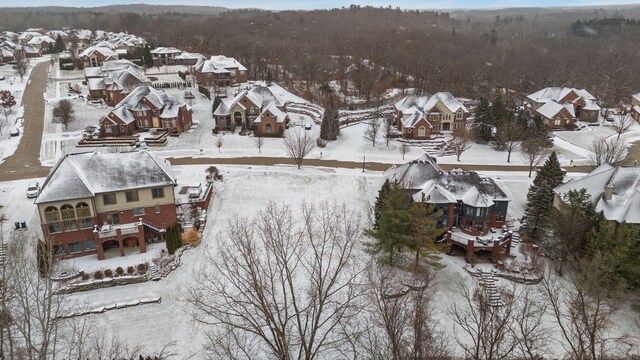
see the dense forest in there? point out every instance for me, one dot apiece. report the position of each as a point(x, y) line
point(470, 53)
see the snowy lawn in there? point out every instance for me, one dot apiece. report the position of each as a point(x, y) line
point(90, 263)
point(16, 207)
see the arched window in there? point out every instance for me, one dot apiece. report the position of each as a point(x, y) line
point(421, 131)
point(51, 214)
point(269, 129)
point(67, 212)
point(83, 210)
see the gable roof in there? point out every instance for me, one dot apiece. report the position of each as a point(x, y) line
point(636, 96)
point(166, 50)
point(84, 175)
point(280, 115)
point(105, 51)
point(219, 64)
point(427, 103)
point(559, 93)
point(624, 205)
point(551, 108)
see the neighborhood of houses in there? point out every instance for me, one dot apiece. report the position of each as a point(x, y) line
point(92, 201)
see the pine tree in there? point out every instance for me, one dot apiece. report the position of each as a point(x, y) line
point(390, 236)
point(147, 58)
point(483, 121)
point(423, 231)
point(540, 198)
point(216, 103)
point(617, 246)
point(330, 126)
point(378, 207)
point(59, 45)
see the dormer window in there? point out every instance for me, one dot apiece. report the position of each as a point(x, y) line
point(459, 115)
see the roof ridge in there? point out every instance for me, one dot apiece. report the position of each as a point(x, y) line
point(81, 176)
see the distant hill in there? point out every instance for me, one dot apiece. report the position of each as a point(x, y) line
point(128, 8)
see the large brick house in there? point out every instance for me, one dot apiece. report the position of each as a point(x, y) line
point(470, 202)
point(145, 108)
point(165, 55)
point(114, 80)
point(560, 106)
point(220, 71)
point(250, 105)
point(96, 56)
point(614, 190)
point(92, 202)
point(419, 117)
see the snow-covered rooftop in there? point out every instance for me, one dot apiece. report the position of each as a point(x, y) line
point(219, 63)
point(166, 50)
point(105, 51)
point(558, 94)
point(280, 116)
point(84, 175)
point(427, 103)
point(551, 108)
point(624, 204)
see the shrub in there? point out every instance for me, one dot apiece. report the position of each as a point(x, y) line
point(98, 275)
point(119, 270)
point(191, 237)
point(321, 143)
point(108, 273)
point(84, 275)
point(130, 270)
point(142, 268)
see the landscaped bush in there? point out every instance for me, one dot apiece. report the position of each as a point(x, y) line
point(108, 273)
point(98, 275)
point(130, 270)
point(84, 275)
point(142, 268)
point(321, 143)
point(119, 270)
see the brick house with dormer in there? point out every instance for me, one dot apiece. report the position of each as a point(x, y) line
point(561, 106)
point(220, 71)
point(92, 202)
point(419, 117)
point(145, 108)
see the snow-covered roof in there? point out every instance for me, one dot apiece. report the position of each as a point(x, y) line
point(166, 50)
point(551, 108)
point(92, 72)
point(280, 115)
point(426, 103)
point(190, 56)
point(83, 175)
point(624, 205)
point(426, 177)
point(636, 109)
point(128, 80)
point(168, 104)
point(95, 84)
point(105, 51)
point(636, 96)
point(559, 93)
point(40, 39)
point(120, 64)
point(411, 116)
point(219, 63)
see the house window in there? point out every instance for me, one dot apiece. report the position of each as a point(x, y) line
point(54, 227)
point(138, 211)
point(269, 129)
point(421, 131)
point(89, 245)
point(446, 126)
point(113, 218)
point(70, 225)
point(557, 122)
point(157, 208)
point(221, 122)
point(109, 199)
point(108, 129)
point(85, 223)
point(82, 209)
point(157, 193)
point(74, 247)
point(67, 212)
point(459, 115)
point(252, 111)
point(131, 195)
point(51, 214)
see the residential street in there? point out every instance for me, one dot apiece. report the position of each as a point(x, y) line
point(25, 163)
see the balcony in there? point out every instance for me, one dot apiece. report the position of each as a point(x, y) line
point(108, 230)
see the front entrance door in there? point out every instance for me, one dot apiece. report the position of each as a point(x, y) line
point(156, 121)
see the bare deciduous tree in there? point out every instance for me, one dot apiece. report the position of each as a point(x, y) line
point(387, 127)
point(462, 140)
point(298, 144)
point(281, 286)
point(219, 142)
point(404, 149)
point(371, 131)
point(259, 142)
point(622, 123)
point(63, 113)
point(508, 134)
point(21, 67)
point(606, 151)
point(401, 323)
point(533, 152)
point(582, 306)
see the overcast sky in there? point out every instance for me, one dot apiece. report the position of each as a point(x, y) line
point(325, 4)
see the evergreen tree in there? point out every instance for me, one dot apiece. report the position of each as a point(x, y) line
point(617, 246)
point(423, 231)
point(216, 102)
point(540, 198)
point(59, 45)
point(483, 121)
point(390, 235)
point(378, 207)
point(330, 126)
point(147, 58)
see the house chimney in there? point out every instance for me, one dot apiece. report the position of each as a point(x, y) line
point(608, 192)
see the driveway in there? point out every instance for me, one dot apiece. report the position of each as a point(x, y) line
point(25, 162)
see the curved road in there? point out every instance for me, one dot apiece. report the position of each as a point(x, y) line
point(25, 163)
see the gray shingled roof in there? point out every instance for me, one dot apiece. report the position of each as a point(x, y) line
point(87, 174)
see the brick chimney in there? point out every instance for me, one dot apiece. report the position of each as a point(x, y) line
point(608, 192)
